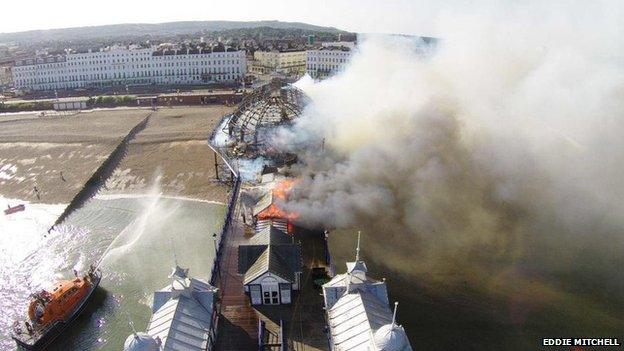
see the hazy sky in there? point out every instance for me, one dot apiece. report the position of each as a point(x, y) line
point(385, 16)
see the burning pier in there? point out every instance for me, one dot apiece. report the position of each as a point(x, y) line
point(270, 270)
point(265, 271)
point(247, 132)
point(249, 127)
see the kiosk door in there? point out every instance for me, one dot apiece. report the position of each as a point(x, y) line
point(285, 292)
point(256, 294)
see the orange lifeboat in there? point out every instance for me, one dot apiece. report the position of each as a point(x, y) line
point(56, 303)
point(52, 309)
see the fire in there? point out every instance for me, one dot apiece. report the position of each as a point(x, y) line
point(283, 188)
point(280, 191)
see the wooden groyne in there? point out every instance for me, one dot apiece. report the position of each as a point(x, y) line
point(102, 173)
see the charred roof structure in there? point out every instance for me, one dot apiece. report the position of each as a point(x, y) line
point(245, 137)
point(274, 104)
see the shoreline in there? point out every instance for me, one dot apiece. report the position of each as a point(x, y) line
point(163, 196)
point(55, 113)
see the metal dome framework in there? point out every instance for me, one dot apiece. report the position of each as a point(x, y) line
point(271, 105)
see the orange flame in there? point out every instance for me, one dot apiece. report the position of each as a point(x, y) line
point(280, 191)
point(283, 188)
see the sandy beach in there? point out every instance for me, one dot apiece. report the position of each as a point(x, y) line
point(174, 146)
point(57, 154)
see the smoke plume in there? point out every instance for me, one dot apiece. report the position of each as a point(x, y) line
point(496, 153)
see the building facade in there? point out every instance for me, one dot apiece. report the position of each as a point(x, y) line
point(328, 60)
point(69, 104)
point(6, 77)
point(285, 61)
point(135, 66)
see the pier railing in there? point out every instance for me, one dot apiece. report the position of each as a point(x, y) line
point(266, 340)
point(282, 337)
point(227, 224)
point(219, 243)
point(261, 335)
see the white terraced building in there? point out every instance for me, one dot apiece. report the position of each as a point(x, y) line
point(135, 66)
point(285, 61)
point(327, 60)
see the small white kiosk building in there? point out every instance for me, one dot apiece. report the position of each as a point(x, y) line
point(271, 267)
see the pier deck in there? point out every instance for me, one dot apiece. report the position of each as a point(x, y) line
point(303, 319)
point(238, 323)
point(304, 322)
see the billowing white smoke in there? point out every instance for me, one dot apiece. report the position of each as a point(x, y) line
point(503, 146)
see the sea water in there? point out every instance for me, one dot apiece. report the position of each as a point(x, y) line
point(134, 239)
